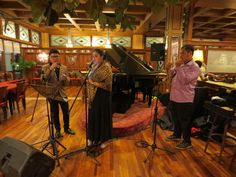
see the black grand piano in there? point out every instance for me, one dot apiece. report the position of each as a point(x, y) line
point(135, 75)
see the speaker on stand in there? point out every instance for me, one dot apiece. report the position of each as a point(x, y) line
point(158, 54)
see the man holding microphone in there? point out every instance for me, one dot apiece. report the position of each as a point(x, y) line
point(184, 78)
point(57, 74)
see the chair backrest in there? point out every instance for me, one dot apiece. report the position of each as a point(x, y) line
point(217, 110)
point(20, 88)
point(3, 94)
point(201, 95)
point(2, 77)
point(9, 76)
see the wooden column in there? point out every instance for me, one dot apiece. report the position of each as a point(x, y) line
point(137, 41)
point(189, 15)
point(1, 32)
point(45, 40)
point(174, 30)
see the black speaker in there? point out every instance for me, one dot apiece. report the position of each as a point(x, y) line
point(158, 52)
point(18, 159)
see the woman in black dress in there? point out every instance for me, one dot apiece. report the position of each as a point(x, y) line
point(99, 100)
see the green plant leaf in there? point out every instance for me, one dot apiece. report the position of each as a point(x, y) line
point(58, 5)
point(72, 5)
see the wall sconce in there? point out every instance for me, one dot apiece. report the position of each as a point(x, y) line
point(42, 57)
point(198, 55)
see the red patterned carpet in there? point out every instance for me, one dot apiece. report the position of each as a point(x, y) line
point(138, 117)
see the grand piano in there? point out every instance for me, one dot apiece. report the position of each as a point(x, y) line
point(134, 75)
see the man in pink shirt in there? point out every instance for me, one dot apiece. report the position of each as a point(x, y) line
point(184, 78)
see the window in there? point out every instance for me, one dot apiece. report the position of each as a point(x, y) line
point(24, 33)
point(8, 28)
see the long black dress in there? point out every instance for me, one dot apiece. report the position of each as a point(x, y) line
point(100, 112)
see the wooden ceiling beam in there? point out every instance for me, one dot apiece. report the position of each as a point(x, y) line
point(24, 4)
point(209, 21)
point(219, 27)
point(58, 27)
point(230, 4)
point(152, 19)
point(201, 11)
point(138, 9)
point(72, 21)
point(12, 5)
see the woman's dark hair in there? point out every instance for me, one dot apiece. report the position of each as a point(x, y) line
point(100, 52)
point(53, 51)
point(199, 63)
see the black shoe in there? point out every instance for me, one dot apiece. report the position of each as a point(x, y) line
point(183, 145)
point(172, 138)
point(58, 134)
point(69, 131)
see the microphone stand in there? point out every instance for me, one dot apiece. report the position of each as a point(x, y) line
point(86, 148)
point(154, 131)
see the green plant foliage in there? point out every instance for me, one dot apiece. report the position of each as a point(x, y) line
point(39, 7)
point(23, 64)
point(94, 10)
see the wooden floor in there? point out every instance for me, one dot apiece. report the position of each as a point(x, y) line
point(122, 158)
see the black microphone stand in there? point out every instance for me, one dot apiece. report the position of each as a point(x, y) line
point(86, 148)
point(154, 131)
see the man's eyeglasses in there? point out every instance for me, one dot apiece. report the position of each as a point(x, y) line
point(55, 56)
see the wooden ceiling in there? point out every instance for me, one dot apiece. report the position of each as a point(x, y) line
point(213, 19)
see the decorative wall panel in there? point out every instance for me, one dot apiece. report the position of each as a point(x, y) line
point(24, 33)
point(123, 41)
point(150, 40)
point(58, 40)
point(9, 30)
point(81, 40)
point(35, 37)
point(99, 41)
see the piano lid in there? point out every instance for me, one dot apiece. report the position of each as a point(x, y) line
point(127, 62)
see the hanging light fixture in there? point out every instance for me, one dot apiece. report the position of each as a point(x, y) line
point(69, 43)
point(108, 44)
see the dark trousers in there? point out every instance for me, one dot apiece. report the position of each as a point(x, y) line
point(181, 114)
point(54, 107)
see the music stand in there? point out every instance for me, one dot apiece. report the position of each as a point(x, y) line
point(49, 91)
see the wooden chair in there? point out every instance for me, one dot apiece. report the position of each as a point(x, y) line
point(220, 117)
point(9, 76)
point(233, 158)
point(20, 94)
point(3, 100)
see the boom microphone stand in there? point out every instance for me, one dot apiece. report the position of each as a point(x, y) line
point(87, 148)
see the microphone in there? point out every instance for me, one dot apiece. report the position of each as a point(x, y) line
point(90, 64)
point(58, 65)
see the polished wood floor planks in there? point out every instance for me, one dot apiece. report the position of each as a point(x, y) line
point(122, 158)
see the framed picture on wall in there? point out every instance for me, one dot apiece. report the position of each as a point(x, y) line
point(71, 60)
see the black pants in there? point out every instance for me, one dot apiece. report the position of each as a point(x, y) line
point(181, 114)
point(54, 107)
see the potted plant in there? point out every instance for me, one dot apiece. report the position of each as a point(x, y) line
point(23, 66)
